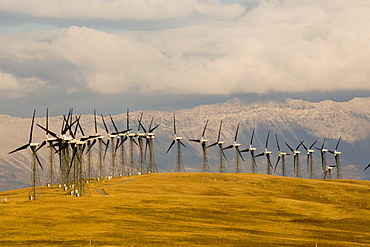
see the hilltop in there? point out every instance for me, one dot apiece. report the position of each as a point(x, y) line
point(290, 119)
point(192, 209)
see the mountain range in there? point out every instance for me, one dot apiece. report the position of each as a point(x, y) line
point(290, 119)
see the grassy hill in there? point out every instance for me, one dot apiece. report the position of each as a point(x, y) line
point(192, 209)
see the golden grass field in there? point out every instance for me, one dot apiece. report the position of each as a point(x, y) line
point(192, 209)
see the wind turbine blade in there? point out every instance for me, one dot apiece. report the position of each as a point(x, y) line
point(106, 148)
point(38, 161)
point(95, 125)
point(172, 143)
point(174, 124)
point(91, 145)
point(33, 120)
point(252, 137)
point(42, 144)
point(182, 144)
point(48, 131)
point(20, 148)
point(313, 144)
point(80, 127)
point(204, 130)
point(277, 162)
point(47, 121)
point(291, 149)
point(219, 132)
point(140, 124)
point(135, 142)
point(245, 150)
point(367, 167)
point(152, 129)
point(213, 144)
point(127, 119)
point(236, 134)
point(240, 154)
point(141, 118)
point(267, 139)
point(223, 153)
point(301, 143)
point(336, 147)
point(277, 142)
point(323, 143)
point(151, 124)
point(105, 126)
point(193, 140)
point(228, 147)
point(259, 155)
point(114, 125)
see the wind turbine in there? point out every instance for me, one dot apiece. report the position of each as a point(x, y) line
point(238, 155)
point(282, 157)
point(35, 160)
point(326, 169)
point(49, 140)
point(296, 165)
point(267, 154)
point(336, 157)
point(221, 167)
point(202, 141)
point(150, 136)
point(252, 150)
point(177, 139)
point(310, 167)
point(140, 138)
point(132, 147)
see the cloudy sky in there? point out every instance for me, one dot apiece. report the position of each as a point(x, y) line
point(163, 54)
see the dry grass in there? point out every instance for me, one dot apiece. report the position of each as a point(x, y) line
point(192, 209)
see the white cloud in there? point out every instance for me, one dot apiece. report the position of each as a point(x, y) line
point(277, 46)
point(15, 87)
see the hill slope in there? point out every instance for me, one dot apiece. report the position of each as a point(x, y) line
point(290, 119)
point(193, 209)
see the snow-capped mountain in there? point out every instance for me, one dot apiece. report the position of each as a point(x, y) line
point(291, 120)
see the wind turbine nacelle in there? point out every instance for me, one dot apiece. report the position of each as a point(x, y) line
point(112, 136)
point(252, 149)
point(282, 153)
point(178, 138)
point(310, 151)
point(131, 135)
point(237, 144)
point(121, 135)
point(324, 150)
point(203, 140)
point(267, 152)
point(67, 138)
point(220, 143)
point(34, 144)
point(140, 134)
point(80, 143)
point(337, 153)
point(297, 152)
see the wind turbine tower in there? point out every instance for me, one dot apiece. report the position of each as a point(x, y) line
point(203, 142)
point(267, 154)
point(310, 167)
point(177, 139)
point(282, 157)
point(35, 160)
point(336, 157)
point(221, 167)
point(238, 155)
